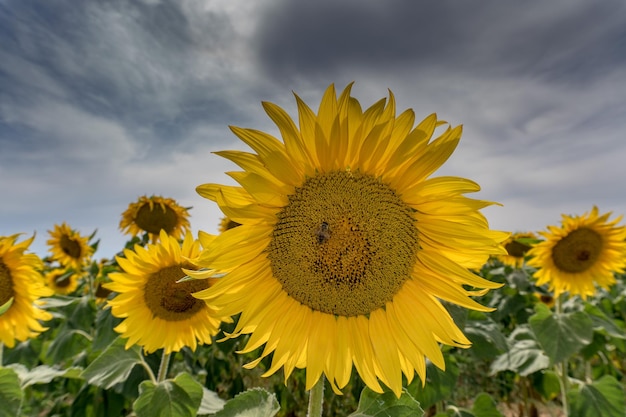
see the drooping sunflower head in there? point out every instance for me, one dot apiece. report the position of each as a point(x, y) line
point(153, 214)
point(21, 286)
point(62, 281)
point(68, 247)
point(346, 245)
point(517, 246)
point(158, 311)
point(583, 252)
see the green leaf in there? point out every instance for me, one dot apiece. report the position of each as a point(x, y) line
point(486, 337)
point(114, 365)
point(547, 384)
point(602, 398)
point(255, 402)
point(6, 306)
point(525, 356)
point(372, 404)
point(561, 334)
point(10, 393)
point(485, 406)
point(43, 374)
point(602, 322)
point(210, 403)
point(67, 345)
point(167, 399)
point(439, 384)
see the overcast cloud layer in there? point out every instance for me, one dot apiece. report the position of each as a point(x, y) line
point(104, 101)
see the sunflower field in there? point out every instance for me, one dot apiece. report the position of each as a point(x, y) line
point(346, 280)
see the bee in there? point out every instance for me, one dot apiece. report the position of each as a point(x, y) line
point(322, 233)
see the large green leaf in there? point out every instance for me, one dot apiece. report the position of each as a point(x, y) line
point(485, 406)
point(210, 403)
point(67, 344)
point(43, 374)
point(601, 322)
point(10, 393)
point(439, 384)
point(372, 404)
point(179, 397)
point(602, 398)
point(486, 337)
point(524, 356)
point(561, 334)
point(114, 365)
point(255, 402)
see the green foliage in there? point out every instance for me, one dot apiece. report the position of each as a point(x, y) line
point(10, 393)
point(114, 365)
point(387, 404)
point(255, 402)
point(561, 334)
point(178, 397)
point(602, 398)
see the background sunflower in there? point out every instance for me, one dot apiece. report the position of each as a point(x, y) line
point(20, 282)
point(583, 252)
point(517, 246)
point(158, 311)
point(68, 247)
point(153, 214)
point(62, 281)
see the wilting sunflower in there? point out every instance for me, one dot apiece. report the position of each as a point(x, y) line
point(62, 281)
point(345, 246)
point(585, 251)
point(153, 214)
point(516, 246)
point(158, 311)
point(21, 285)
point(68, 247)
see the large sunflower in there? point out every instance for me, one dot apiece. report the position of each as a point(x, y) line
point(585, 251)
point(345, 246)
point(517, 246)
point(68, 247)
point(158, 311)
point(22, 286)
point(153, 214)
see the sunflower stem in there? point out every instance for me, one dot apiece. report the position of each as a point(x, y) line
point(1, 352)
point(165, 362)
point(316, 398)
point(561, 368)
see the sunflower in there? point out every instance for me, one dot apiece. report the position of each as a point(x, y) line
point(153, 214)
point(345, 246)
point(68, 247)
point(226, 224)
point(158, 311)
point(62, 281)
point(585, 251)
point(517, 245)
point(21, 287)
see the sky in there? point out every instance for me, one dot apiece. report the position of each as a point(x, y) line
point(104, 101)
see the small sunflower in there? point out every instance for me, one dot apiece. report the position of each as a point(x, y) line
point(517, 246)
point(345, 245)
point(153, 214)
point(68, 247)
point(158, 311)
point(226, 224)
point(585, 251)
point(62, 281)
point(21, 286)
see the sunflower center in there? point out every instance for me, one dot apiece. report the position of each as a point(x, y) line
point(156, 218)
point(70, 247)
point(62, 281)
point(577, 251)
point(516, 249)
point(170, 300)
point(344, 244)
point(6, 284)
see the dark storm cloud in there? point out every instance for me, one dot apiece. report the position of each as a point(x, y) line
point(561, 40)
point(130, 61)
